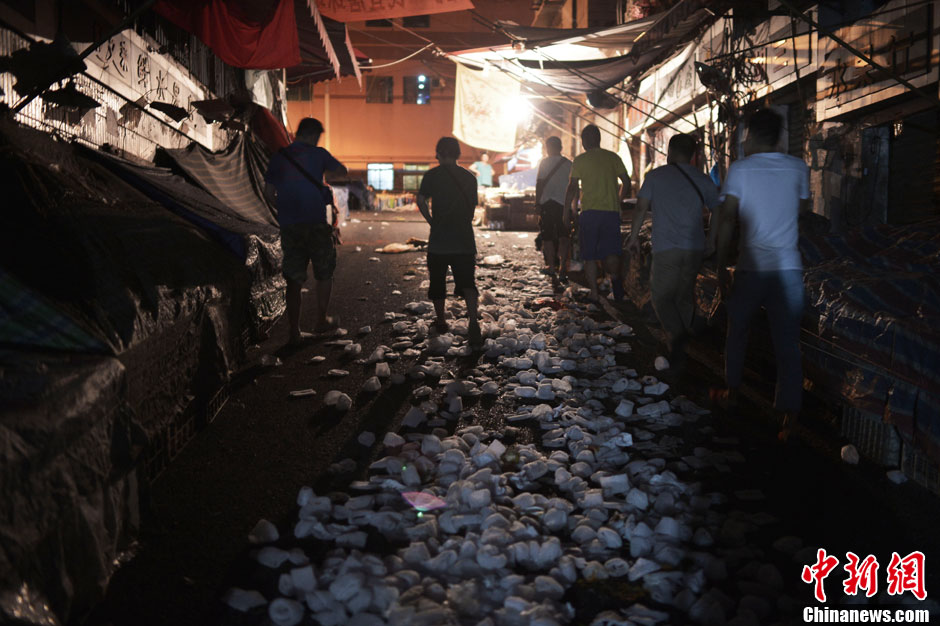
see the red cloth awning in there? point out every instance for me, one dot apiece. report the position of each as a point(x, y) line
point(269, 130)
point(251, 34)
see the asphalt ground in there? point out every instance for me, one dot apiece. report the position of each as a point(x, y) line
point(264, 445)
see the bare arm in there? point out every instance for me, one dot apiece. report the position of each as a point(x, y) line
point(423, 206)
point(337, 172)
point(571, 199)
point(725, 218)
point(625, 186)
point(639, 214)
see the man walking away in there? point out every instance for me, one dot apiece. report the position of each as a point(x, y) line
point(765, 193)
point(598, 170)
point(294, 184)
point(551, 183)
point(446, 200)
point(483, 171)
point(676, 193)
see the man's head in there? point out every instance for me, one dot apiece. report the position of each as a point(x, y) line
point(763, 130)
point(447, 149)
point(309, 131)
point(591, 137)
point(681, 148)
point(485, 157)
point(553, 146)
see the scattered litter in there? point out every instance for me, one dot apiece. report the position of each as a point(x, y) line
point(484, 526)
point(302, 393)
point(337, 399)
point(897, 477)
point(850, 454)
point(269, 360)
point(396, 248)
point(423, 501)
point(263, 532)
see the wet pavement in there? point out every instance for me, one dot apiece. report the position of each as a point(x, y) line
point(712, 524)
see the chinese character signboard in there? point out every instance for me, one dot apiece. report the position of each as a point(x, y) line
point(898, 39)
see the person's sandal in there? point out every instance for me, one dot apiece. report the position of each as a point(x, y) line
point(330, 325)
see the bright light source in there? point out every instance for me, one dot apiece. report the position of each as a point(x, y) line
point(422, 78)
point(518, 109)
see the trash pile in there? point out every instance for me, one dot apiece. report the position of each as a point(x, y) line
point(460, 524)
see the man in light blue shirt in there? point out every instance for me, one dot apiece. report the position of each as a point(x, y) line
point(676, 193)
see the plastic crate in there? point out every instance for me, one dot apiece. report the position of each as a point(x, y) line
point(874, 439)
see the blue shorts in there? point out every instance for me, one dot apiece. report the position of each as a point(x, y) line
point(599, 235)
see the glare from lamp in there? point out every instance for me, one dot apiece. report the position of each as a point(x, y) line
point(518, 109)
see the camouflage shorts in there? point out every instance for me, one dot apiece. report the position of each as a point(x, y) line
point(303, 243)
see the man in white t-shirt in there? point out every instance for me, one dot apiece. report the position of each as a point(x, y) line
point(765, 193)
point(550, 185)
point(676, 193)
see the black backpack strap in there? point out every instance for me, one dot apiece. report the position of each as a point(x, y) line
point(691, 182)
point(471, 205)
point(320, 186)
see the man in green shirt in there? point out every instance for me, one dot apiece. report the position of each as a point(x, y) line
point(600, 180)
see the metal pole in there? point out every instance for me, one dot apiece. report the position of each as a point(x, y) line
point(91, 48)
point(935, 100)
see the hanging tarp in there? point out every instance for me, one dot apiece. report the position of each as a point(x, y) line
point(483, 109)
point(234, 176)
point(548, 60)
point(358, 11)
point(611, 37)
point(91, 265)
point(579, 76)
point(256, 244)
point(251, 34)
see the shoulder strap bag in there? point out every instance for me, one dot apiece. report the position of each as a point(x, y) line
point(552, 173)
point(470, 205)
point(691, 182)
point(325, 191)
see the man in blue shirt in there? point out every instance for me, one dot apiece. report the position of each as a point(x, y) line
point(307, 234)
